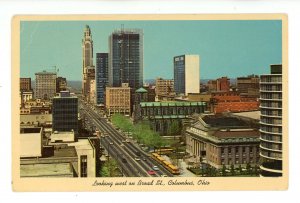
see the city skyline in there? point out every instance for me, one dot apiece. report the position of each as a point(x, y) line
point(218, 43)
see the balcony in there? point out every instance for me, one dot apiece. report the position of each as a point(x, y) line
point(270, 140)
point(270, 155)
point(270, 132)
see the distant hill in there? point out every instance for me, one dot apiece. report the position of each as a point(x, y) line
point(74, 85)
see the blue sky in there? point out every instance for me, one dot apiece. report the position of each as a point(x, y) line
point(226, 48)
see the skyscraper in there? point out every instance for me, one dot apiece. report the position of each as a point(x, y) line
point(101, 76)
point(65, 112)
point(186, 74)
point(88, 70)
point(126, 58)
point(45, 85)
point(271, 122)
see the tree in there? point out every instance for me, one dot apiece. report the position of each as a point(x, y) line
point(224, 170)
point(232, 170)
point(248, 168)
point(108, 168)
point(173, 128)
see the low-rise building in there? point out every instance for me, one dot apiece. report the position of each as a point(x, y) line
point(118, 100)
point(223, 140)
point(162, 114)
point(31, 142)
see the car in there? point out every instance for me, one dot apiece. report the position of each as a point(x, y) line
point(124, 160)
point(137, 159)
point(163, 175)
point(127, 141)
point(122, 145)
point(151, 172)
point(155, 168)
point(144, 159)
point(111, 143)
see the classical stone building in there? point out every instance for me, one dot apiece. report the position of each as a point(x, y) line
point(223, 140)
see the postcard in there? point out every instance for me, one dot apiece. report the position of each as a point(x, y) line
point(150, 102)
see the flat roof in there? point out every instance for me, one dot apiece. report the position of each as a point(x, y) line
point(38, 170)
point(224, 121)
point(30, 130)
point(172, 103)
point(82, 144)
point(65, 151)
point(236, 134)
point(250, 114)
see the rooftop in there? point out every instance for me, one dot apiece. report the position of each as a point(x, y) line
point(236, 134)
point(44, 170)
point(141, 90)
point(82, 144)
point(250, 114)
point(224, 121)
point(172, 103)
point(65, 151)
point(28, 130)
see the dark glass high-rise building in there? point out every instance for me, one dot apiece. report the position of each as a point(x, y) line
point(65, 112)
point(101, 76)
point(186, 74)
point(126, 58)
point(271, 122)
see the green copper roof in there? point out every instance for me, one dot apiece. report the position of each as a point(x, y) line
point(141, 90)
point(172, 103)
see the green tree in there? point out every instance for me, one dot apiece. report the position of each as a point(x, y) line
point(232, 170)
point(108, 169)
point(224, 170)
point(173, 128)
point(248, 169)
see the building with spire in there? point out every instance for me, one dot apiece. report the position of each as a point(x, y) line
point(88, 69)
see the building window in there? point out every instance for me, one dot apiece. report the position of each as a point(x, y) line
point(83, 166)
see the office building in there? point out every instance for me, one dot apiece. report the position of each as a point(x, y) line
point(65, 112)
point(92, 94)
point(271, 122)
point(45, 85)
point(248, 86)
point(220, 84)
point(186, 74)
point(126, 58)
point(61, 84)
point(88, 70)
point(164, 87)
point(25, 84)
point(101, 76)
point(118, 100)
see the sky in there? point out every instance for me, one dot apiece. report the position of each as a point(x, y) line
point(229, 48)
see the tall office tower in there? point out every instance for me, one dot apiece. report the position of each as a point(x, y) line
point(126, 58)
point(271, 122)
point(88, 70)
point(101, 76)
point(65, 112)
point(186, 74)
point(45, 85)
